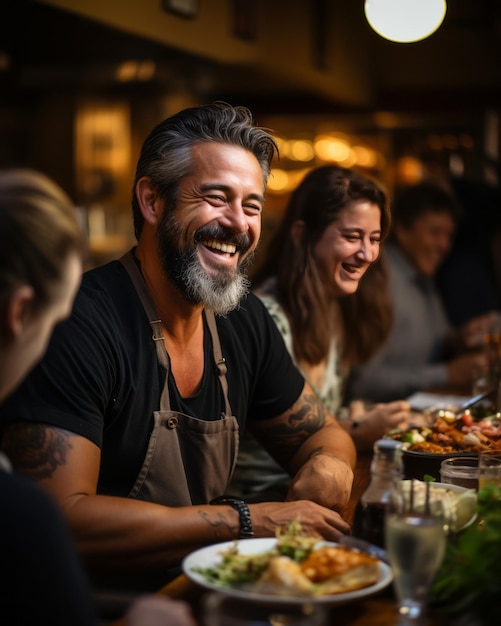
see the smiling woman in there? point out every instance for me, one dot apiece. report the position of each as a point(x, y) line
point(332, 317)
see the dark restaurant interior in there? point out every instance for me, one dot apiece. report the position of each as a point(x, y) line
point(82, 82)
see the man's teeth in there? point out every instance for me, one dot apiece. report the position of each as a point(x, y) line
point(230, 248)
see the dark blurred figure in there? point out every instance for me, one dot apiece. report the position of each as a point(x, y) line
point(469, 281)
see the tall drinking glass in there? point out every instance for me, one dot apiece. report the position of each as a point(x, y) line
point(489, 468)
point(415, 541)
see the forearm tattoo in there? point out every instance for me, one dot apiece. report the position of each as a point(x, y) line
point(220, 523)
point(304, 418)
point(36, 449)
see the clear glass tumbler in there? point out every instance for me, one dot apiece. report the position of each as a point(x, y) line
point(415, 541)
point(461, 471)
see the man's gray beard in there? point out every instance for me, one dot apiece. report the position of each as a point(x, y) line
point(219, 293)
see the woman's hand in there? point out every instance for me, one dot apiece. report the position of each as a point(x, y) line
point(369, 423)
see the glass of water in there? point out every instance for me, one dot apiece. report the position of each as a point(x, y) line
point(415, 541)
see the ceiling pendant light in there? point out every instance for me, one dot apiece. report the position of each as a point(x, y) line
point(405, 21)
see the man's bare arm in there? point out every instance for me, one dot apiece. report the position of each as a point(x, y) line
point(115, 532)
point(314, 448)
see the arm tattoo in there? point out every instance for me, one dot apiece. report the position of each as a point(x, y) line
point(303, 419)
point(219, 522)
point(36, 449)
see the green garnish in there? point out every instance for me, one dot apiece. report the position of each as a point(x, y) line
point(236, 568)
point(293, 542)
point(469, 580)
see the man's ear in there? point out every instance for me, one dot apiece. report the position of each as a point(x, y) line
point(18, 309)
point(149, 200)
point(296, 232)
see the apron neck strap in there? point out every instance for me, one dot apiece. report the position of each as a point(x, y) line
point(129, 262)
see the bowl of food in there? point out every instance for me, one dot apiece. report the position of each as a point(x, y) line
point(426, 465)
point(459, 503)
point(426, 446)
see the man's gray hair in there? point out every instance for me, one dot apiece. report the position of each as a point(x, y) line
point(166, 153)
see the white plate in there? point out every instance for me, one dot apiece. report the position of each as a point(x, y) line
point(420, 401)
point(211, 555)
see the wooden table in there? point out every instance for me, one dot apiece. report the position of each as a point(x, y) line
point(378, 610)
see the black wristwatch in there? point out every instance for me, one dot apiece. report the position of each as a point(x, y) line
point(241, 507)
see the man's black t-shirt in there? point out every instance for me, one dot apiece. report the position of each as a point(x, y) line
point(101, 379)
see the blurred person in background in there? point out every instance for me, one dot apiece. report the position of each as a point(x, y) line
point(423, 350)
point(469, 280)
point(324, 283)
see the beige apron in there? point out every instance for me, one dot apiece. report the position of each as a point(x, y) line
point(189, 460)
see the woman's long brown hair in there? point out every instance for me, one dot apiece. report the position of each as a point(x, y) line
point(366, 314)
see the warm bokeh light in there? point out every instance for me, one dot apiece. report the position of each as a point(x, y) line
point(300, 150)
point(409, 170)
point(281, 145)
point(278, 180)
point(282, 182)
point(332, 148)
point(405, 21)
point(326, 147)
point(365, 157)
point(134, 70)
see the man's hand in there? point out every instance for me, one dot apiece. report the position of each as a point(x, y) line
point(315, 519)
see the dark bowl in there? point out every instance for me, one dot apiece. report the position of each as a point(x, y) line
point(418, 464)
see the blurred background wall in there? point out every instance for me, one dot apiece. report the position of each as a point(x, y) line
point(82, 82)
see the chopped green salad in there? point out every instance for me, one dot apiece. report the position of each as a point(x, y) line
point(236, 568)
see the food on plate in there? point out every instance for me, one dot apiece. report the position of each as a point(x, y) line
point(463, 435)
point(312, 570)
point(459, 504)
point(325, 571)
point(294, 541)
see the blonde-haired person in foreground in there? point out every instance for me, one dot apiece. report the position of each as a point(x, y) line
point(40, 270)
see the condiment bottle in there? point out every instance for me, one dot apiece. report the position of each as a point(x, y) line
point(386, 471)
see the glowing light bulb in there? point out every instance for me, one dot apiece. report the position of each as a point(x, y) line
point(405, 21)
